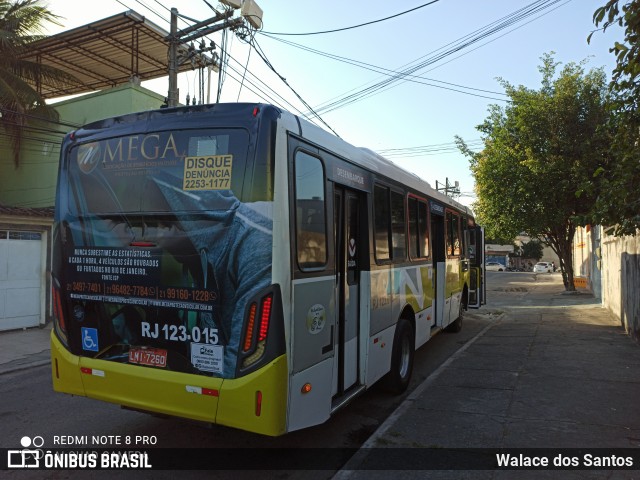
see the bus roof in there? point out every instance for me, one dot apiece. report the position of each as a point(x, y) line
point(363, 157)
point(370, 160)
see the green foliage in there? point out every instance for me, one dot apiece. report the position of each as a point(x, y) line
point(535, 172)
point(532, 249)
point(628, 53)
point(21, 24)
point(619, 202)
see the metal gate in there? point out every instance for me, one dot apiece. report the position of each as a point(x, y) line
point(20, 279)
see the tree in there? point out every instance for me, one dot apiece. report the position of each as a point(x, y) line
point(619, 202)
point(535, 172)
point(532, 249)
point(21, 23)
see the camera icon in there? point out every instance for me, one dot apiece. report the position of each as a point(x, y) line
point(25, 458)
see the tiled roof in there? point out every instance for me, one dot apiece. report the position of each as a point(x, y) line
point(42, 212)
point(104, 54)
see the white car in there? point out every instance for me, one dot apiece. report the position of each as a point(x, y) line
point(494, 267)
point(542, 267)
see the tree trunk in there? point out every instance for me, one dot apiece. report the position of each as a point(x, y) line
point(561, 242)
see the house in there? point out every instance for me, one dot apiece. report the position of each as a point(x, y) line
point(107, 58)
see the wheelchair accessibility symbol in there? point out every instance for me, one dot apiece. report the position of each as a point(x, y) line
point(90, 339)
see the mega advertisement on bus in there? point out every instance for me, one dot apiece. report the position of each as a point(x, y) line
point(160, 255)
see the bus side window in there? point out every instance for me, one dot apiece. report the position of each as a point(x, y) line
point(390, 226)
point(423, 229)
point(455, 229)
point(311, 225)
point(453, 234)
point(381, 216)
point(398, 232)
point(418, 229)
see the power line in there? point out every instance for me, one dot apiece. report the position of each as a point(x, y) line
point(433, 57)
point(500, 36)
point(284, 80)
point(225, 56)
point(246, 67)
point(425, 150)
point(455, 46)
point(421, 147)
point(393, 73)
point(43, 119)
point(357, 26)
point(266, 96)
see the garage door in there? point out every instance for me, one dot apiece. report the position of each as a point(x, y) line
point(20, 279)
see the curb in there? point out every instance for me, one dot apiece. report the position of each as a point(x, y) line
point(25, 366)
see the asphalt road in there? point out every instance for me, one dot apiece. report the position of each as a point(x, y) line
point(30, 407)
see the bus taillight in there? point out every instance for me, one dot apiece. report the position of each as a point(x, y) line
point(262, 330)
point(58, 314)
point(248, 339)
point(266, 316)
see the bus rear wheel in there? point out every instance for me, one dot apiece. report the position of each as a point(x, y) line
point(397, 380)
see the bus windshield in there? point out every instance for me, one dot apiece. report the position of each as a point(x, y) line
point(157, 238)
point(157, 172)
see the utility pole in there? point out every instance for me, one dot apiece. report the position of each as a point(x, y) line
point(172, 97)
point(450, 190)
point(250, 13)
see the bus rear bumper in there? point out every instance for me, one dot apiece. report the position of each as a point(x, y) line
point(256, 402)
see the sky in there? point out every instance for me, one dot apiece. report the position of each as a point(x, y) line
point(412, 121)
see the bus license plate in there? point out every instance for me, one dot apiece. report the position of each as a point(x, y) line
point(152, 357)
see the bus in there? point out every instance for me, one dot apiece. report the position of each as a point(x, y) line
point(237, 265)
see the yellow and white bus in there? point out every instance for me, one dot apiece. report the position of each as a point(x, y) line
point(237, 265)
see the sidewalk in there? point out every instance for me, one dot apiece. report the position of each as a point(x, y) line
point(554, 371)
point(20, 349)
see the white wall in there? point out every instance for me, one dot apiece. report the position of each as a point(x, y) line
point(621, 280)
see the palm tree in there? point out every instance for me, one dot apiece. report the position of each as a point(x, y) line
point(21, 23)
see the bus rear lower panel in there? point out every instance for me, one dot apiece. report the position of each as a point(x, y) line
point(256, 402)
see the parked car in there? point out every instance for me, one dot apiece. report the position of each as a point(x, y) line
point(494, 267)
point(543, 267)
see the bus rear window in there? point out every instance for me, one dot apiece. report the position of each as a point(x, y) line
point(169, 171)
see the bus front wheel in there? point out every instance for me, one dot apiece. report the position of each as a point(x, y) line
point(397, 380)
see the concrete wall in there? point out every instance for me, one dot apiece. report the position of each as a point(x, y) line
point(621, 280)
point(587, 259)
point(33, 183)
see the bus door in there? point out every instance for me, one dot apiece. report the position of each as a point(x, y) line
point(475, 243)
point(439, 260)
point(350, 247)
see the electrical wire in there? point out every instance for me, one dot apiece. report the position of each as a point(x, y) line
point(221, 73)
point(360, 25)
point(551, 10)
point(224, 62)
point(225, 47)
point(267, 98)
point(426, 150)
point(151, 10)
point(433, 57)
point(454, 47)
point(394, 73)
point(44, 119)
point(284, 80)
